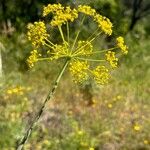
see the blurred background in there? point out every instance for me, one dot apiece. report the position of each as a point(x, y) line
point(111, 117)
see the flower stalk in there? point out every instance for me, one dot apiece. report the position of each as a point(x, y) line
point(37, 117)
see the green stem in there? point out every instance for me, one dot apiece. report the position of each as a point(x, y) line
point(49, 46)
point(94, 60)
point(50, 42)
point(78, 50)
point(61, 33)
point(37, 117)
point(68, 32)
point(95, 52)
point(77, 33)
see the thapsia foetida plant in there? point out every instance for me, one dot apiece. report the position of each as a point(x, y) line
point(78, 54)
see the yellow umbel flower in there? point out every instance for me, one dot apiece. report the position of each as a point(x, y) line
point(37, 33)
point(110, 57)
point(86, 10)
point(33, 58)
point(76, 51)
point(101, 74)
point(61, 14)
point(55, 8)
point(78, 70)
point(121, 45)
point(104, 23)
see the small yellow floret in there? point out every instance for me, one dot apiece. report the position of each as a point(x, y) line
point(52, 8)
point(33, 58)
point(101, 74)
point(110, 57)
point(104, 24)
point(61, 14)
point(80, 132)
point(121, 45)
point(86, 10)
point(91, 148)
point(78, 70)
point(145, 142)
point(109, 105)
point(37, 33)
point(137, 128)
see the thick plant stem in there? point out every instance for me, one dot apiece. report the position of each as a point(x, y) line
point(37, 117)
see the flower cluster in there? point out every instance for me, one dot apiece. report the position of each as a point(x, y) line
point(101, 74)
point(61, 14)
point(33, 58)
point(79, 53)
point(18, 90)
point(121, 45)
point(37, 33)
point(79, 70)
point(104, 23)
point(111, 58)
point(86, 10)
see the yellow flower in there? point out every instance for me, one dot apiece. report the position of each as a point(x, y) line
point(61, 14)
point(137, 127)
point(145, 142)
point(121, 45)
point(33, 58)
point(76, 51)
point(91, 148)
point(109, 105)
point(55, 8)
point(80, 132)
point(17, 91)
point(104, 23)
point(37, 33)
point(110, 57)
point(101, 74)
point(9, 92)
point(78, 70)
point(86, 10)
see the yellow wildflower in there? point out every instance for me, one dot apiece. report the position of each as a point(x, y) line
point(137, 127)
point(78, 70)
point(145, 142)
point(77, 51)
point(86, 10)
point(110, 57)
point(9, 92)
point(61, 14)
point(101, 74)
point(121, 45)
point(109, 105)
point(37, 33)
point(80, 132)
point(91, 148)
point(104, 23)
point(33, 58)
point(17, 90)
point(52, 8)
